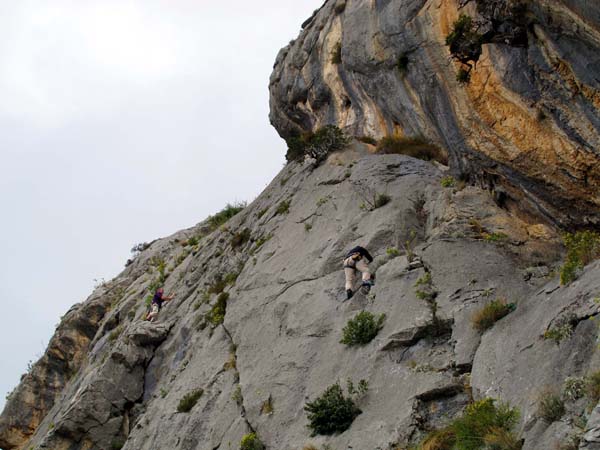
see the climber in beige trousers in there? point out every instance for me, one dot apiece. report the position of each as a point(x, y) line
point(355, 260)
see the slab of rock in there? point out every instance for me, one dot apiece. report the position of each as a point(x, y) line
point(147, 333)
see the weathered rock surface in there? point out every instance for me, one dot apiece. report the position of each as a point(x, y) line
point(529, 120)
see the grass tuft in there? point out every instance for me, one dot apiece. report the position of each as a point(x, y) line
point(448, 182)
point(283, 207)
point(483, 425)
point(189, 401)
point(551, 406)
point(487, 316)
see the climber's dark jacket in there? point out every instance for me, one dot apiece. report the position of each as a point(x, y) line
point(363, 252)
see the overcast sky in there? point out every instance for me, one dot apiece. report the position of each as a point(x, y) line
point(120, 122)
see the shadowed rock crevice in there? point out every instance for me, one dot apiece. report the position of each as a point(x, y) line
point(238, 387)
point(439, 332)
point(434, 409)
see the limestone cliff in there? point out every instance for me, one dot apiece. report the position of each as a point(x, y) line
point(528, 120)
point(255, 327)
point(285, 312)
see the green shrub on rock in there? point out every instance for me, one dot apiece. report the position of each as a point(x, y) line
point(448, 181)
point(283, 207)
point(495, 237)
point(362, 329)
point(332, 412)
point(424, 290)
point(562, 329)
point(251, 442)
point(464, 41)
point(574, 388)
point(216, 316)
point(392, 252)
point(582, 248)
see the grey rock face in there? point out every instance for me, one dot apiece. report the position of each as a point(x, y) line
point(528, 122)
point(280, 339)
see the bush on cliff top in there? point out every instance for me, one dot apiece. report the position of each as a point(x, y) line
point(225, 214)
point(318, 144)
point(464, 40)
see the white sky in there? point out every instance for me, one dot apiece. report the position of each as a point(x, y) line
point(120, 122)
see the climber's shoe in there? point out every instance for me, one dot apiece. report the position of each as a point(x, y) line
point(349, 294)
point(365, 288)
